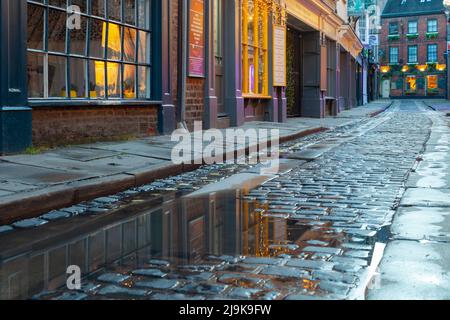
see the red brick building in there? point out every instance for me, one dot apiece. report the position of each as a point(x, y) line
point(413, 47)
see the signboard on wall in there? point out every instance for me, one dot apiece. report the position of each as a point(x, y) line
point(196, 65)
point(279, 56)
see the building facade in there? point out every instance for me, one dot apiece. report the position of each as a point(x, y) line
point(76, 71)
point(414, 46)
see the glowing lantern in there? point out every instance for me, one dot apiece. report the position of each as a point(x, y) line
point(385, 69)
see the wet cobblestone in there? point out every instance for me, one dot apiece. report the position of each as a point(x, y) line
point(333, 209)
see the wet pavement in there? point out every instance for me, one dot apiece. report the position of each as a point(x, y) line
point(315, 230)
point(416, 264)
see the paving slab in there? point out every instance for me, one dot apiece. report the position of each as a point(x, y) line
point(420, 223)
point(426, 197)
point(411, 270)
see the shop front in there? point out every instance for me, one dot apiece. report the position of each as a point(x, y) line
point(409, 81)
point(321, 51)
point(91, 70)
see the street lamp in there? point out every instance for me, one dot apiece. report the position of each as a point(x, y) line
point(446, 4)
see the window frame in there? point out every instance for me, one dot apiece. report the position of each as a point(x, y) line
point(246, 45)
point(416, 54)
point(416, 26)
point(436, 25)
point(433, 45)
point(391, 54)
point(392, 25)
point(87, 58)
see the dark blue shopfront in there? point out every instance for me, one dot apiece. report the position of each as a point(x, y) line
point(112, 68)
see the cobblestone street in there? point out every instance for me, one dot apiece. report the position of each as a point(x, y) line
point(316, 230)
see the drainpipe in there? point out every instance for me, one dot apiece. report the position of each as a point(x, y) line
point(182, 62)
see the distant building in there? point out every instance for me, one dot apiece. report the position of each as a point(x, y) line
point(413, 49)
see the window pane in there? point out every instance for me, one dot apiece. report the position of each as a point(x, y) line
point(78, 38)
point(98, 8)
point(81, 4)
point(114, 79)
point(36, 27)
point(411, 83)
point(261, 72)
point(251, 70)
point(97, 38)
point(144, 52)
point(56, 30)
point(57, 3)
point(129, 44)
point(129, 81)
point(144, 82)
point(96, 79)
point(130, 12)
point(35, 75)
point(114, 9)
point(432, 82)
point(114, 41)
point(77, 78)
point(56, 76)
point(143, 14)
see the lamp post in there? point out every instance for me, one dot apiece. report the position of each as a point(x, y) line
point(447, 14)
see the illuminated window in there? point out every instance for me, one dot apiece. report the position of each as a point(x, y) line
point(432, 82)
point(106, 56)
point(255, 19)
point(411, 83)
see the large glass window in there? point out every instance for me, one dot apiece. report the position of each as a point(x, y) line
point(255, 19)
point(412, 54)
point(393, 54)
point(432, 53)
point(99, 53)
point(411, 83)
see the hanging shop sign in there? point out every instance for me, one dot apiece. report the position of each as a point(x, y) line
point(279, 56)
point(196, 67)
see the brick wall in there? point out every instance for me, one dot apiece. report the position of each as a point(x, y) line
point(195, 101)
point(421, 41)
point(72, 125)
point(397, 77)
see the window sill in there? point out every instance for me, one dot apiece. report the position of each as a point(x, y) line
point(85, 103)
point(256, 96)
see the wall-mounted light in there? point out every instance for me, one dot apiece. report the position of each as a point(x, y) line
point(405, 69)
point(384, 69)
point(441, 67)
point(422, 67)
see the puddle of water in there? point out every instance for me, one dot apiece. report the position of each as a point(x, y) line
point(185, 232)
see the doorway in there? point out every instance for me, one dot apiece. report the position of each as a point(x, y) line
point(386, 88)
point(294, 87)
point(219, 56)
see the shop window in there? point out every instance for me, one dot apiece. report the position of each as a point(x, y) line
point(432, 82)
point(107, 55)
point(255, 19)
point(411, 83)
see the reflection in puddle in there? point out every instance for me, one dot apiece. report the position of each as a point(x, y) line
point(189, 240)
